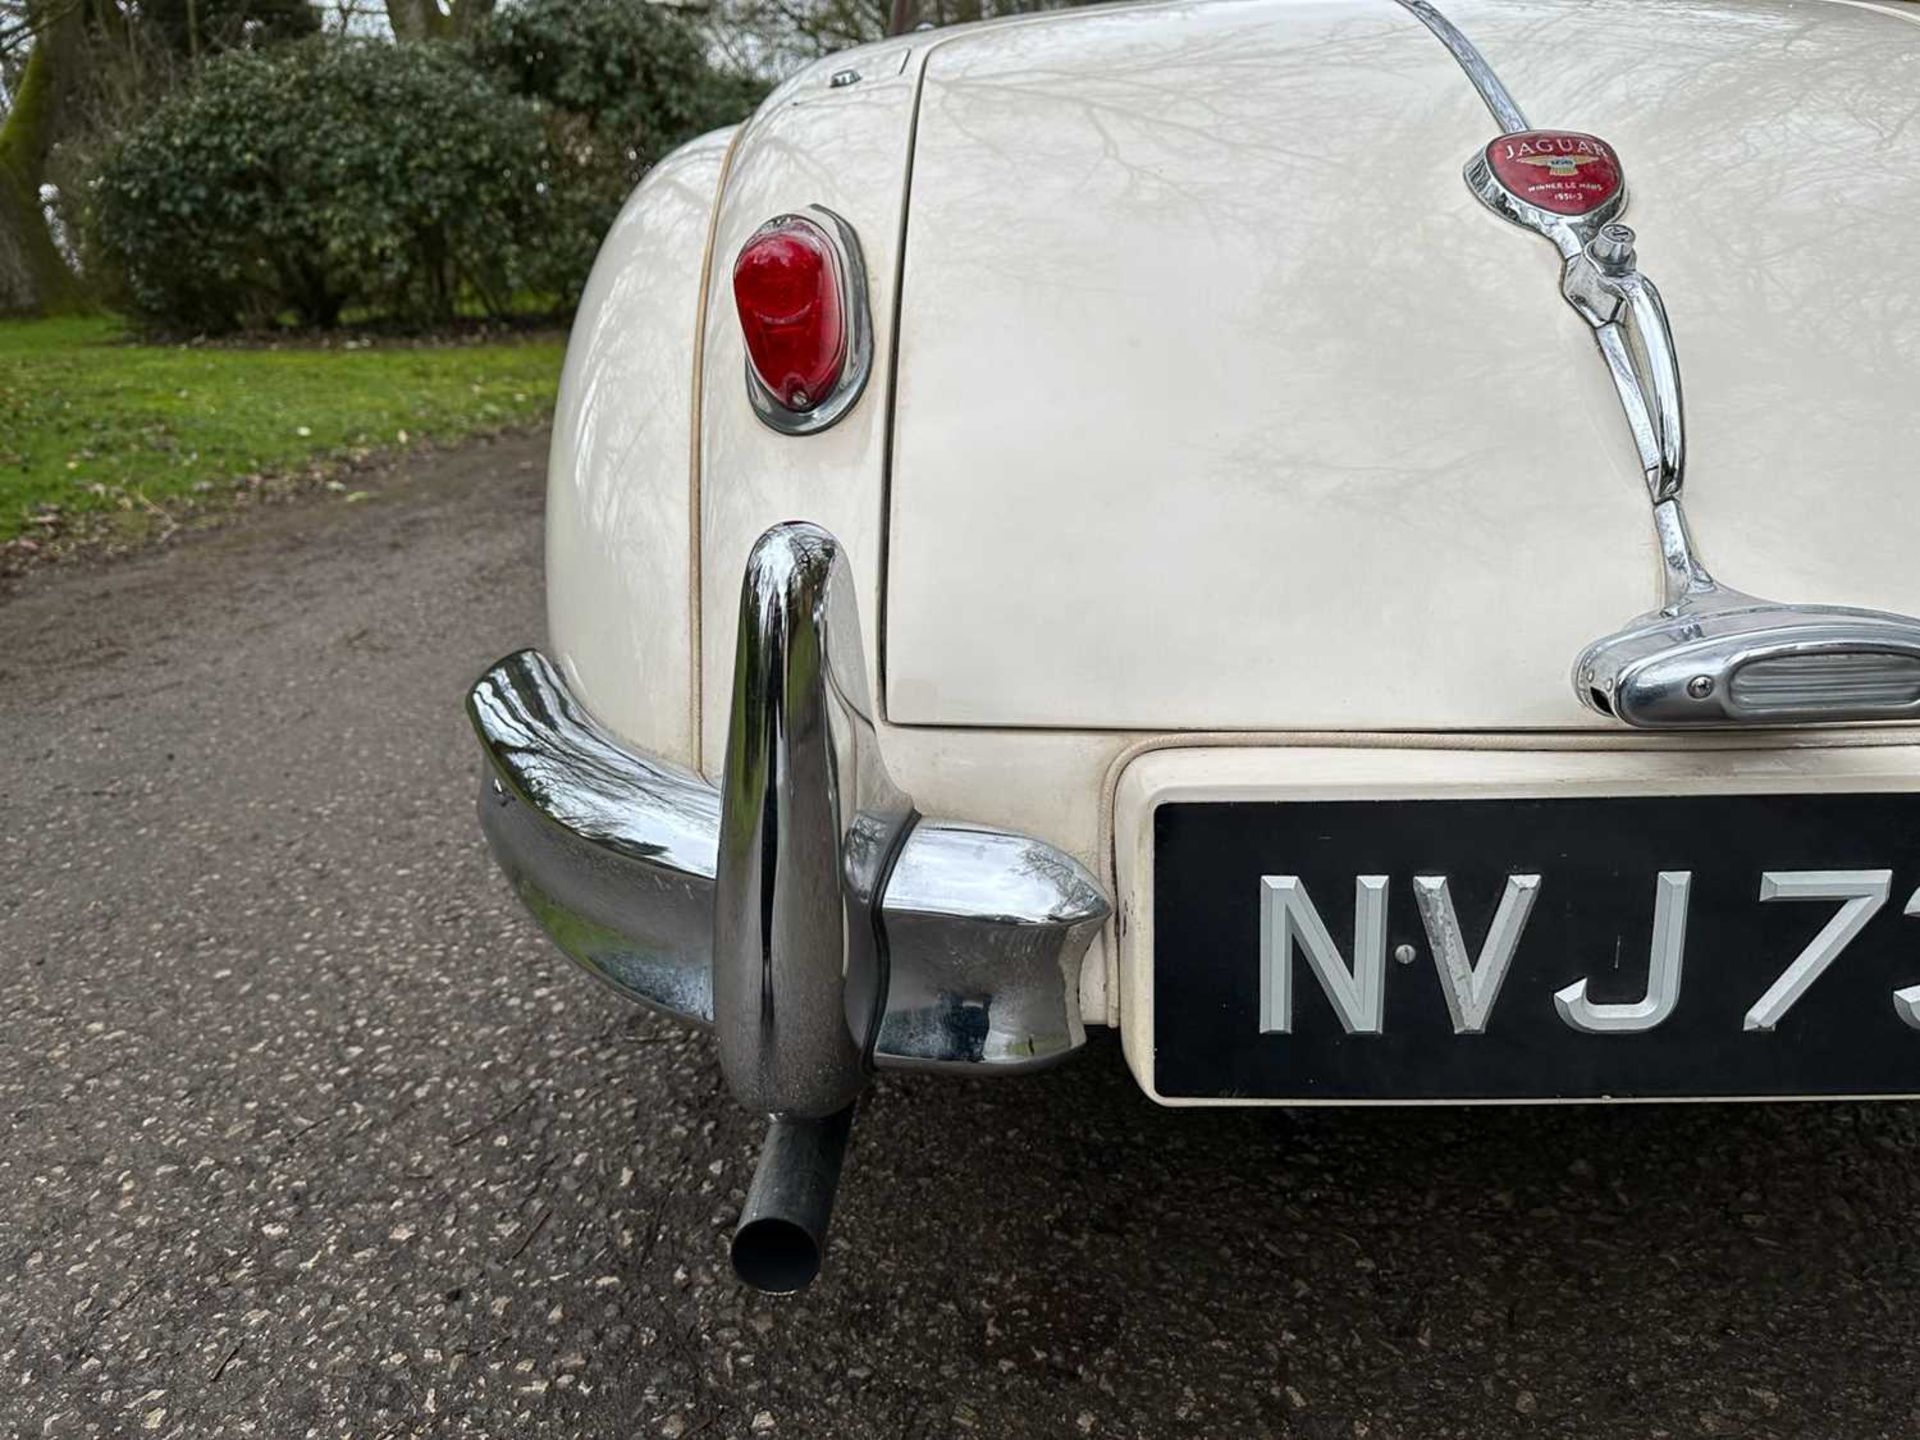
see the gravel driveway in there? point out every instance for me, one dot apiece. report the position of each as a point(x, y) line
point(308, 1133)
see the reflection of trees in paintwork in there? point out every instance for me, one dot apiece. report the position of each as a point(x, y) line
point(780, 35)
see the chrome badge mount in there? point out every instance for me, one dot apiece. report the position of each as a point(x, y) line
point(1709, 655)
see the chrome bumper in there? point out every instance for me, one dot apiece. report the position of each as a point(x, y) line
point(802, 909)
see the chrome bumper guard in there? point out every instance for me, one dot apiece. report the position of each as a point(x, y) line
point(803, 909)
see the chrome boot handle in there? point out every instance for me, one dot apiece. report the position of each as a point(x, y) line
point(1603, 282)
point(1709, 655)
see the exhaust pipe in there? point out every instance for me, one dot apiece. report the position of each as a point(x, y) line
point(782, 1235)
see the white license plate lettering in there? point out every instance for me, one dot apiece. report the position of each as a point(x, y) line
point(1671, 890)
point(1471, 986)
point(1864, 892)
point(1287, 919)
point(1470, 981)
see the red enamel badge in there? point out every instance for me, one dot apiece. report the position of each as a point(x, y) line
point(1561, 171)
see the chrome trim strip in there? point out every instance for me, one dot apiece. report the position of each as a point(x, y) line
point(616, 853)
point(1499, 101)
point(854, 304)
point(1681, 574)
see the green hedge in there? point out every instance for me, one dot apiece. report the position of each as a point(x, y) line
point(320, 177)
point(620, 83)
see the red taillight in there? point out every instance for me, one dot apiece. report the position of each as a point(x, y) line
point(786, 286)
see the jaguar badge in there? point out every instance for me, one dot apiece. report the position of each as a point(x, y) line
point(1560, 171)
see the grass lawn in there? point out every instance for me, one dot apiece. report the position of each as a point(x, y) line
point(92, 422)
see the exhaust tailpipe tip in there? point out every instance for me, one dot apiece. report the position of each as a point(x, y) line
point(781, 1238)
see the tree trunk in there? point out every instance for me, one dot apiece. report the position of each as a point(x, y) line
point(34, 278)
point(411, 19)
point(428, 20)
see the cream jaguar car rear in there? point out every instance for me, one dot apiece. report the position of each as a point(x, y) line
point(1183, 517)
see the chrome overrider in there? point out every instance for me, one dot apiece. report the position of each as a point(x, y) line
point(1709, 655)
point(802, 909)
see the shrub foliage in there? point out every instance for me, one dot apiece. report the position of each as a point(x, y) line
point(620, 83)
point(324, 176)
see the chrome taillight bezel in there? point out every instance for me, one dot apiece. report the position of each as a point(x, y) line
point(851, 271)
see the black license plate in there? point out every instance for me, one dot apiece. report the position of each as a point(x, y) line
point(1726, 945)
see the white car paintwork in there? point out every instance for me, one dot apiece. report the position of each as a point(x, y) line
point(1449, 438)
point(619, 523)
point(845, 148)
point(1224, 405)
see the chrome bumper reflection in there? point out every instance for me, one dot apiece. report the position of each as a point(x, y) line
point(803, 909)
point(615, 854)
